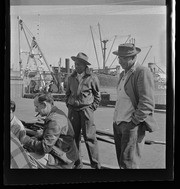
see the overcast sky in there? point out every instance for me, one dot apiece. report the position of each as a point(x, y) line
point(62, 31)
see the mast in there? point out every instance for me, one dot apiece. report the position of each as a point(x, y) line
point(100, 38)
point(94, 47)
point(19, 40)
point(104, 53)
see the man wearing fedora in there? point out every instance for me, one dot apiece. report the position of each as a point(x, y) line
point(82, 99)
point(134, 109)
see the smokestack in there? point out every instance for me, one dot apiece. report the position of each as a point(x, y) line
point(67, 65)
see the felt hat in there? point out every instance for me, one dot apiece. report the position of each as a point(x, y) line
point(82, 57)
point(127, 49)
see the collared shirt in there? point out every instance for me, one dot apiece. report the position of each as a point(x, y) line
point(20, 158)
point(80, 76)
point(124, 107)
point(17, 128)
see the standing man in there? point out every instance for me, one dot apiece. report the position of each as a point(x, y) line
point(82, 99)
point(55, 147)
point(134, 109)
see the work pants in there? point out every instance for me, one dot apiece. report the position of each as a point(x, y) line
point(129, 141)
point(47, 161)
point(83, 120)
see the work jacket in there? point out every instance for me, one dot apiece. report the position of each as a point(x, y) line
point(57, 138)
point(139, 86)
point(84, 93)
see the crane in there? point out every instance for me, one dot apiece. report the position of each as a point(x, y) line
point(35, 53)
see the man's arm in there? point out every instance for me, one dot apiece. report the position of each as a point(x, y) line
point(68, 91)
point(96, 92)
point(145, 90)
point(50, 136)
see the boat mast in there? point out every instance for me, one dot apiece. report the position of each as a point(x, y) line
point(104, 53)
point(20, 60)
point(100, 38)
point(94, 46)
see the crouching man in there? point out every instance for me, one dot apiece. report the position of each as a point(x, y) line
point(55, 147)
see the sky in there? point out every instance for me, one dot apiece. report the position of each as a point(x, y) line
point(64, 30)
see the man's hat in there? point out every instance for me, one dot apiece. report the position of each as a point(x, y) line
point(82, 57)
point(127, 49)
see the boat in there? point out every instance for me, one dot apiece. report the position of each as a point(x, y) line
point(52, 79)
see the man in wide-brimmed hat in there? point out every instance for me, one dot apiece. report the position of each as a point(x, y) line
point(134, 109)
point(82, 99)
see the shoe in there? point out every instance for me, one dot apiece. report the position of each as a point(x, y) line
point(78, 165)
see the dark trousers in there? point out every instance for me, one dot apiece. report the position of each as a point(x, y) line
point(84, 120)
point(129, 141)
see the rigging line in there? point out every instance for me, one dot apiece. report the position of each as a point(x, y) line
point(19, 38)
point(28, 45)
point(113, 61)
point(146, 55)
point(100, 38)
point(45, 61)
point(111, 48)
point(28, 30)
point(160, 68)
point(94, 47)
point(128, 38)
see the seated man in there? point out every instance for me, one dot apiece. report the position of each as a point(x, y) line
point(56, 147)
point(17, 128)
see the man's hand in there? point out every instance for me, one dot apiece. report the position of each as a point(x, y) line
point(38, 133)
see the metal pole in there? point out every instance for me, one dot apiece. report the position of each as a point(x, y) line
point(42, 55)
point(104, 54)
point(111, 48)
point(94, 47)
point(19, 40)
point(100, 38)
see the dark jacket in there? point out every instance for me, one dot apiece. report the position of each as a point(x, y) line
point(57, 138)
point(139, 86)
point(83, 94)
